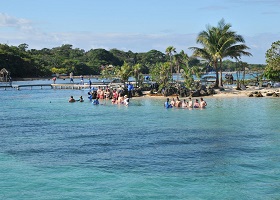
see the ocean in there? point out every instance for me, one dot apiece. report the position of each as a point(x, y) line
point(52, 149)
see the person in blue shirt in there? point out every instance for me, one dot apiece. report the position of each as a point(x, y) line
point(167, 104)
point(129, 89)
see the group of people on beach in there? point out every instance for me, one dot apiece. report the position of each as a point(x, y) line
point(185, 104)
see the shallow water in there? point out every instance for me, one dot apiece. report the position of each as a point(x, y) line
point(52, 149)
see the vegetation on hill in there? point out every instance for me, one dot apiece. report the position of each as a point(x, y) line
point(218, 45)
point(24, 62)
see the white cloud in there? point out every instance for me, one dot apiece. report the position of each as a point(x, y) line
point(18, 23)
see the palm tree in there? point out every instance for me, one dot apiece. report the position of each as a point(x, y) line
point(219, 42)
point(136, 70)
point(108, 71)
point(180, 59)
point(124, 72)
point(230, 45)
point(161, 74)
point(208, 39)
point(169, 51)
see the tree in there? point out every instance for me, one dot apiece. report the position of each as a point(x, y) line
point(240, 68)
point(161, 75)
point(208, 40)
point(272, 69)
point(179, 59)
point(136, 72)
point(170, 51)
point(219, 42)
point(99, 58)
point(186, 70)
point(124, 72)
point(230, 44)
point(108, 71)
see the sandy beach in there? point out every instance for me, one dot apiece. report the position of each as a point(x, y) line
point(265, 92)
point(232, 92)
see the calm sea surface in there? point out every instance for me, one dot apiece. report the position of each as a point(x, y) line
point(52, 149)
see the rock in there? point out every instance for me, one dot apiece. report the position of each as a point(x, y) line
point(211, 91)
point(195, 93)
point(203, 93)
point(251, 94)
point(259, 94)
point(203, 87)
point(275, 95)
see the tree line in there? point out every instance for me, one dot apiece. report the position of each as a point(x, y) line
point(23, 62)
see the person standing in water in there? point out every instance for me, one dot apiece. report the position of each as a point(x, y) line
point(190, 103)
point(203, 103)
point(129, 89)
point(71, 77)
point(54, 79)
point(167, 104)
point(196, 104)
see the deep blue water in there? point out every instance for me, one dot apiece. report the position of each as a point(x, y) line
point(52, 149)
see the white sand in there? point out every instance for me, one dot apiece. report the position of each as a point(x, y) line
point(232, 92)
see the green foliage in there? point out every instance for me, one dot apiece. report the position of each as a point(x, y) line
point(272, 70)
point(108, 71)
point(218, 43)
point(136, 72)
point(24, 62)
point(161, 74)
point(124, 72)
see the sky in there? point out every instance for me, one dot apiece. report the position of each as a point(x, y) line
point(138, 26)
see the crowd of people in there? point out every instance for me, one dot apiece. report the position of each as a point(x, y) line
point(185, 104)
point(117, 96)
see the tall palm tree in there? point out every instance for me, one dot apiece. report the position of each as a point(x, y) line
point(170, 51)
point(208, 39)
point(179, 59)
point(219, 42)
point(230, 45)
point(136, 70)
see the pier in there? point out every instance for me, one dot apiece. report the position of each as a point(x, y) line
point(31, 86)
point(76, 86)
point(6, 86)
point(54, 86)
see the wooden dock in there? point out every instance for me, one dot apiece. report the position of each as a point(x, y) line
point(54, 86)
point(6, 86)
point(76, 86)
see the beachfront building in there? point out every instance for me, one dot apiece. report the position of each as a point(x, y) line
point(4, 75)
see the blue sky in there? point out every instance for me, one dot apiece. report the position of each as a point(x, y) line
point(138, 26)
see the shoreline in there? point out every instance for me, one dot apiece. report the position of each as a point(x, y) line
point(229, 93)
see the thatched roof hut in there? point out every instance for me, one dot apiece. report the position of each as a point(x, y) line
point(4, 75)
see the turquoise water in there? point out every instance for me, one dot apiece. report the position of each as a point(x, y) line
point(52, 149)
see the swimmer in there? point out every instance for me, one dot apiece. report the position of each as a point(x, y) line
point(71, 100)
